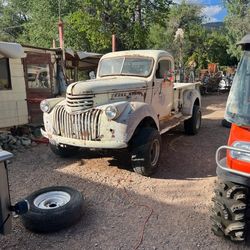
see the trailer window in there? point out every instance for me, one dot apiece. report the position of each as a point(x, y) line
point(38, 76)
point(5, 80)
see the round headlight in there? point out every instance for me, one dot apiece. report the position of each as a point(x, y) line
point(111, 112)
point(44, 106)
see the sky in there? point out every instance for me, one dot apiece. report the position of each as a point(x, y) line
point(213, 10)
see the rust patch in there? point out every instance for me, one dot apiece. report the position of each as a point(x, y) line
point(85, 135)
point(166, 117)
point(112, 133)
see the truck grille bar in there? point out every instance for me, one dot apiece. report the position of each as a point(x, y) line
point(82, 126)
point(79, 102)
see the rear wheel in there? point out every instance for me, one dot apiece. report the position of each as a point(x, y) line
point(230, 212)
point(145, 151)
point(64, 151)
point(193, 124)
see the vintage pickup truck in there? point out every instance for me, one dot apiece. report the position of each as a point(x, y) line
point(132, 101)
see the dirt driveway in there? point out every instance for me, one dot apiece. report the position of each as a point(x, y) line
point(176, 201)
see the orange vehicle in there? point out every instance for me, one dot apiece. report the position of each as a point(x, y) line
point(231, 209)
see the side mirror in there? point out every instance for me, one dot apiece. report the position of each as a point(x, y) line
point(92, 75)
point(169, 76)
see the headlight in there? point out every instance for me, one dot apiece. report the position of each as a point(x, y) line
point(242, 156)
point(44, 106)
point(111, 112)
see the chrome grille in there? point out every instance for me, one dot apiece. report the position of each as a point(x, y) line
point(79, 102)
point(84, 126)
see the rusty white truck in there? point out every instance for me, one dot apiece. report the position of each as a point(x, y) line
point(132, 101)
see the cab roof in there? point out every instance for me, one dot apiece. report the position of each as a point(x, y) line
point(245, 40)
point(147, 53)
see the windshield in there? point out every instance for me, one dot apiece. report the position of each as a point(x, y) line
point(238, 103)
point(131, 66)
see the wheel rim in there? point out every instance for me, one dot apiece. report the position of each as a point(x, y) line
point(198, 122)
point(154, 152)
point(52, 200)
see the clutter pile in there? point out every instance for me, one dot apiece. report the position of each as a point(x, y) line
point(17, 139)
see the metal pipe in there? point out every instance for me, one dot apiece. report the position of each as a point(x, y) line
point(113, 43)
point(61, 34)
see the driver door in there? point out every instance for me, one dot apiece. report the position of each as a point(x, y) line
point(163, 92)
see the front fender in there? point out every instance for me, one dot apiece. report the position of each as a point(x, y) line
point(189, 98)
point(134, 114)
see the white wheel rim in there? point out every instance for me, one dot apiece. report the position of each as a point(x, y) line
point(52, 200)
point(154, 152)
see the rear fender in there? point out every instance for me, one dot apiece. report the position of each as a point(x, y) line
point(189, 99)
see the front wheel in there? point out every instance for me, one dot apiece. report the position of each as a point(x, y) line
point(193, 124)
point(145, 151)
point(64, 151)
point(230, 213)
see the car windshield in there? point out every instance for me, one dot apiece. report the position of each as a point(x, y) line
point(238, 103)
point(131, 66)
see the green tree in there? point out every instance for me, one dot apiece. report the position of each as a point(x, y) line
point(13, 16)
point(129, 20)
point(199, 44)
point(88, 24)
point(42, 27)
point(185, 16)
point(237, 23)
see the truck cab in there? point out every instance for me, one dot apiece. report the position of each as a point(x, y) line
point(133, 91)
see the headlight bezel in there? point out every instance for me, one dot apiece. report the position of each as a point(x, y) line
point(241, 156)
point(111, 112)
point(45, 106)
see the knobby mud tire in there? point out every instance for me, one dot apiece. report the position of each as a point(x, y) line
point(230, 212)
point(141, 151)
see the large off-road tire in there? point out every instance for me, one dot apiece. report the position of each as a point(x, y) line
point(52, 209)
point(230, 212)
point(64, 151)
point(145, 151)
point(226, 124)
point(193, 124)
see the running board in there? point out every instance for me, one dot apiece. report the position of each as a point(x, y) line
point(166, 125)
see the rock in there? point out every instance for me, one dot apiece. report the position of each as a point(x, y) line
point(25, 141)
point(11, 139)
point(18, 139)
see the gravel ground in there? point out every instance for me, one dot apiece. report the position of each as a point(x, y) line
point(176, 201)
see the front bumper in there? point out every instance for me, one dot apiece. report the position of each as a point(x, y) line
point(229, 174)
point(55, 139)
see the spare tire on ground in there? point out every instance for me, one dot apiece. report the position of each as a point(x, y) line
point(52, 209)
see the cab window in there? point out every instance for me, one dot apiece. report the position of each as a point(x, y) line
point(163, 68)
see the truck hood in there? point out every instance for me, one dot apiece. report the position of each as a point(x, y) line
point(105, 85)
